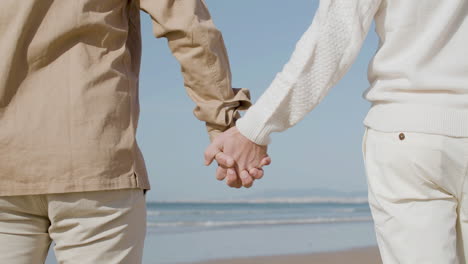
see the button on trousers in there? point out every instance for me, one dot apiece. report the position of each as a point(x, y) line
point(418, 195)
point(87, 227)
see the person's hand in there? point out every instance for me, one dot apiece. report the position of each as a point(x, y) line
point(240, 160)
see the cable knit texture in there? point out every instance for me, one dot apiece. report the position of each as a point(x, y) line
point(415, 71)
point(321, 57)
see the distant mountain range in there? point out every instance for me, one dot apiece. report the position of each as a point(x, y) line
point(302, 193)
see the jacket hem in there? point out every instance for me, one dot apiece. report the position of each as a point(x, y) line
point(418, 118)
point(131, 182)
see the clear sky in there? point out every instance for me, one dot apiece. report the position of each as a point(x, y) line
point(322, 151)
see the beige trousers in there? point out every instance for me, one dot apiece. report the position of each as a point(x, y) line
point(418, 196)
point(87, 227)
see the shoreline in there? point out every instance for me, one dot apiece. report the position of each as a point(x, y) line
point(367, 255)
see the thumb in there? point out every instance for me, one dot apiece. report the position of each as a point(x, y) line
point(265, 161)
point(211, 151)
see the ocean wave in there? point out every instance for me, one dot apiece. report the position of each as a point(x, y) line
point(348, 210)
point(208, 212)
point(259, 222)
point(303, 200)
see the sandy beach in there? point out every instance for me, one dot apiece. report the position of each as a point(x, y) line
point(354, 256)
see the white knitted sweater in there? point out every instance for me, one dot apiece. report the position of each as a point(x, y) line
point(419, 76)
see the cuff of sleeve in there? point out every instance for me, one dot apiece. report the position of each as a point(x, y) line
point(227, 113)
point(252, 126)
point(214, 132)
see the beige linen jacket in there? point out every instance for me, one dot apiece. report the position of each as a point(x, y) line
point(69, 102)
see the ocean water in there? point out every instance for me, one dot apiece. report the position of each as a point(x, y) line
point(190, 231)
point(186, 216)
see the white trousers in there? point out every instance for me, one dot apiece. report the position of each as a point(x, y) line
point(418, 196)
point(87, 227)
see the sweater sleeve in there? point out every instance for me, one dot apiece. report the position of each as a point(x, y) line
point(321, 58)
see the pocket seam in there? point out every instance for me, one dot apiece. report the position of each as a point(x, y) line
point(364, 144)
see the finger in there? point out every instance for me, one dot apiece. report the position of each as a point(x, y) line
point(231, 178)
point(260, 174)
point(221, 173)
point(247, 180)
point(253, 172)
point(224, 160)
point(256, 173)
point(234, 181)
point(238, 183)
point(211, 151)
point(265, 161)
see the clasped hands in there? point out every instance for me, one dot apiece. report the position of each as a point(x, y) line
point(240, 160)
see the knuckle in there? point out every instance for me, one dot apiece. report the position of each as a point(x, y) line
point(221, 160)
